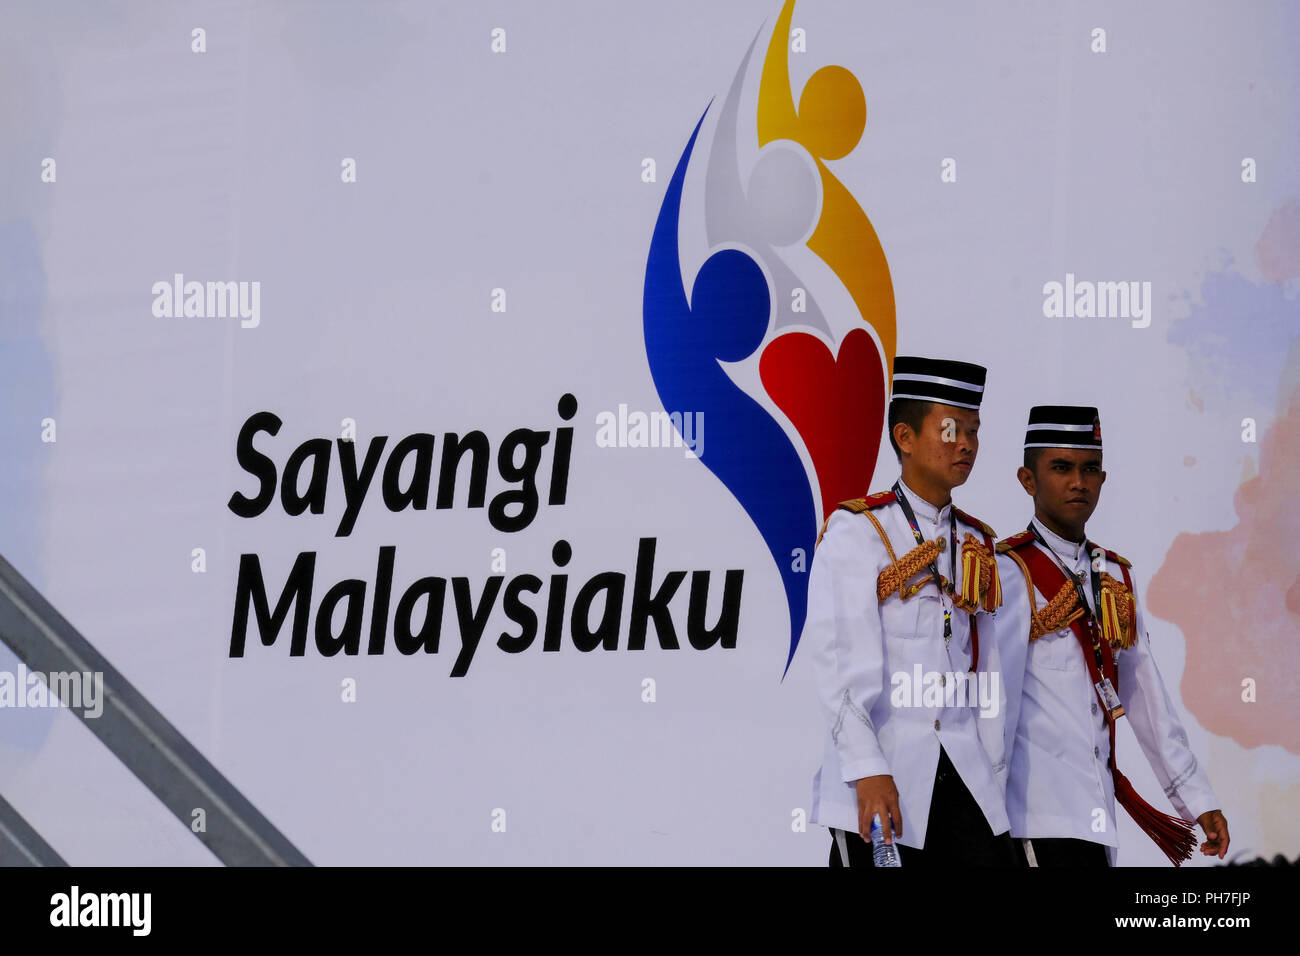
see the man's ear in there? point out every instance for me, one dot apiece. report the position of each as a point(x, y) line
point(903, 436)
point(1103, 478)
point(1026, 478)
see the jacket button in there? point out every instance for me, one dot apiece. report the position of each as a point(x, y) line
point(936, 725)
point(1096, 751)
point(1094, 706)
point(943, 680)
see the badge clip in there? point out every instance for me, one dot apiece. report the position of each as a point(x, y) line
point(1109, 699)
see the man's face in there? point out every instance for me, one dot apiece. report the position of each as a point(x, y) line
point(944, 450)
point(1066, 484)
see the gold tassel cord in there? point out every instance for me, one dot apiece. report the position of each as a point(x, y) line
point(981, 587)
point(895, 577)
point(1060, 612)
point(1117, 621)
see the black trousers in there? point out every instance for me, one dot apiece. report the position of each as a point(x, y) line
point(956, 833)
point(1062, 852)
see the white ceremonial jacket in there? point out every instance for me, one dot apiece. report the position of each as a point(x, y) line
point(891, 691)
point(1056, 734)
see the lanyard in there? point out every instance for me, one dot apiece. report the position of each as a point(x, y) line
point(934, 565)
point(1089, 616)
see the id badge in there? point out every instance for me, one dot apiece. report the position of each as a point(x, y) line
point(1109, 699)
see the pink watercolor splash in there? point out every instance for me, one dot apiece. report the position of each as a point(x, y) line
point(1278, 250)
point(1236, 597)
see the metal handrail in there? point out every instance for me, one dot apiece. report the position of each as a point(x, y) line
point(139, 736)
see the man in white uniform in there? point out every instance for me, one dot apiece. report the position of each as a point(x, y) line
point(1076, 657)
point(899, 596)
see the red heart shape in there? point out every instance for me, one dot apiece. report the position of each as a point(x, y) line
point(836, 404)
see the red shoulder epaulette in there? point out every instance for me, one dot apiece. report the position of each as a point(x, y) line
point(1015, 541)
point(857, 506)
point(974, 522)
point(878, 500)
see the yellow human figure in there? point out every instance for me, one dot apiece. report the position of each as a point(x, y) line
point(829, 122)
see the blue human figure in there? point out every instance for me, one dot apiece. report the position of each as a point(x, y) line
point(726, 320)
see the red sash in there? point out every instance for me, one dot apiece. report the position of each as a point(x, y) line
point(1173, 835)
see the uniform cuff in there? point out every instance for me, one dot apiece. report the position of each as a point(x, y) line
point(1194, 798)
point(866, 767)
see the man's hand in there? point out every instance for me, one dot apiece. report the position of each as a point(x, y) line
point(879, 795)
point(1211, 821)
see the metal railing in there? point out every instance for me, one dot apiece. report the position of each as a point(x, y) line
point(139, 736)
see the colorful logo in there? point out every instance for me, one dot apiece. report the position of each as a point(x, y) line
point(786, 340)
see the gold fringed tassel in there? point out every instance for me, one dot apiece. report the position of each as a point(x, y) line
point(993, 594)
point(1116, 613)
point(970, 576)
point(1109, 619)
point(980, 586)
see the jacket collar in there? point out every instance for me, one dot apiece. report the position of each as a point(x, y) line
point(922, 508)
point(1069, 550)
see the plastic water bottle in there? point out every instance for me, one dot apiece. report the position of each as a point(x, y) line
point(884, 854)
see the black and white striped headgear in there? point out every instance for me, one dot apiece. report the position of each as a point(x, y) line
point(1063, 426)
point(938, 380)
